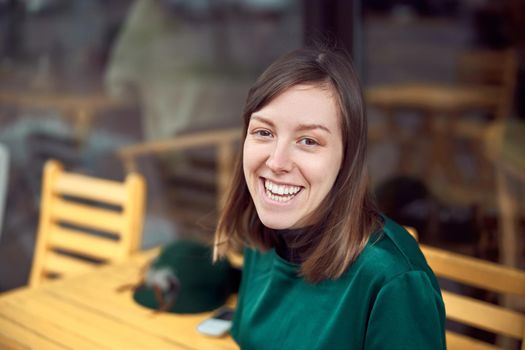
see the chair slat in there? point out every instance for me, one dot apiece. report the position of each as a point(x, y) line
point(101, 190)
point(85, 244)
point(457, 341)
point(475, 272)
point(86, 216)
point(182, 142)
point(65, 265)
point(483, 315)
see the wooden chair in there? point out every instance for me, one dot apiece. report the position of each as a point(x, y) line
point(467, 310)
point(504, 145)
point(496, 68)
point(479, 68)
point(222, 140)
point(85, 221)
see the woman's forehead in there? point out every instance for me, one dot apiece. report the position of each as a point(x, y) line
point(301, 104)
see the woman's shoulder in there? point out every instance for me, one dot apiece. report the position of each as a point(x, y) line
point(391, 252)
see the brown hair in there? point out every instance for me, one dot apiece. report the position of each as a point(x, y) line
point(348, 215)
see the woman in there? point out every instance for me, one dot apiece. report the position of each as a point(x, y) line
point(322, 268)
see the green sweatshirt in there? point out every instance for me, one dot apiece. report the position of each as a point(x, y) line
point(388, 299)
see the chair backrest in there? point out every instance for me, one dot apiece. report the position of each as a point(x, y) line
point(4, 175)
point(223, 140)
point(488, 67)
point(498, 68)
point(85, 221)
point(496, 319)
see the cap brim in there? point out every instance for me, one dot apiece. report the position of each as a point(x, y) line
point(185, 304)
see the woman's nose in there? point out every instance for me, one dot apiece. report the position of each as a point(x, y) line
point(280, 159)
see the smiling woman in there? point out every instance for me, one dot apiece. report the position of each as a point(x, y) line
point(291, 163)
point(322, 268)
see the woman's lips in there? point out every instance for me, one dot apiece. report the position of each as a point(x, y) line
point(278, 193)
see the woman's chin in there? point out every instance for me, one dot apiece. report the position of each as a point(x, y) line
point(276, 224)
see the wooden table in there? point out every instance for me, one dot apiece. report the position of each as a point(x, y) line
point(86, 312)
point(434, 102)
point(81, 108)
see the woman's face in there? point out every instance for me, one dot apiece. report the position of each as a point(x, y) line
point(292, 155)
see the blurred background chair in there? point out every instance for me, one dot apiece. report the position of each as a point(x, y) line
point(198, 166)
point(496, 69)
point(443, 148)
point(85, 221)
point(504, 144)
point(453, 119)
point(4, 175)
point(506, 324)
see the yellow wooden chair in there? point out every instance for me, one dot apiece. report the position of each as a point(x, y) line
point(492, 277)
point(489, 276)
point(85, 221)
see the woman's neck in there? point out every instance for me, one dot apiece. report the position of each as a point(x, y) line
point(290, 244)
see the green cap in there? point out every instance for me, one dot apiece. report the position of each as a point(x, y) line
point(202, 285)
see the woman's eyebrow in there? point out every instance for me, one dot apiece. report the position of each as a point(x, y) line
point(303, 127)
point(262, 120)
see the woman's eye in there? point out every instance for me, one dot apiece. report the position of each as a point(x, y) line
point(263, 133)
point(308, 142)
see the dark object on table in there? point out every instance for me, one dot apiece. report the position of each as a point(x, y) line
point(183, 279)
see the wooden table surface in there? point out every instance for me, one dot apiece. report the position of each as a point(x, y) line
point(86, 312)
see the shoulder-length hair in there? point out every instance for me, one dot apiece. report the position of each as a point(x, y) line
point(348, 215)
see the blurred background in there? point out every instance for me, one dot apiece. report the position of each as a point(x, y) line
point(112, 86)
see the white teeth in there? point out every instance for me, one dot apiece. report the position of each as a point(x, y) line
point(278, 198)
point(281, 190)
